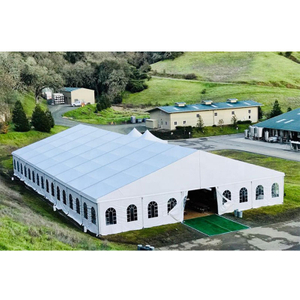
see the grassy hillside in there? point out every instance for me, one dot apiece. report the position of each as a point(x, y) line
point(262, 67)
point(164, 91)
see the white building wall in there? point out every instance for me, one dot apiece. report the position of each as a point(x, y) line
point(59, 204)
point(209, 117)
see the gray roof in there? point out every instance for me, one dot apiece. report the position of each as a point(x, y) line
point(96, 162)
point(289, 121)
point(69, 89)
point(203, 107)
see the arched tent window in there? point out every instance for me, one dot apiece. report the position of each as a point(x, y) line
point(259, 192)
point(77, 206)
point(33, 177)
point(52, 189)
point(37, 179)
point(58, 193)
point(14, 164)
point(226, 196)
point(42, 182)
point(93, 215)
point(21, 168)
point(64, 197)
point(152, 210)
point(131, 213)
point(18, 166)
point(171, 203)
point(111, 216)
point(85, 211)
point(29, 174)
point(47, 186)
point(275, 190)
point(71, 201)
point(25, 171)
point(243, 195)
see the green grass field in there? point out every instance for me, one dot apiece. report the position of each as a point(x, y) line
point(163, 91)
point(107, 116)
point(263, 67)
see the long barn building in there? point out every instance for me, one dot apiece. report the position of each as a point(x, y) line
point(111, 183)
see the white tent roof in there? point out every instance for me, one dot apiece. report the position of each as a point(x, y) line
point(147, 135)
point(134, 133)
point(97, 162)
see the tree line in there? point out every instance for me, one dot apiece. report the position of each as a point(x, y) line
point(110, 74)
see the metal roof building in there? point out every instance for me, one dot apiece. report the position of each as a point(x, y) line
point(283, 128)
point(182, 114)
point(109, 182)
point(207, 105)
point(71, 94)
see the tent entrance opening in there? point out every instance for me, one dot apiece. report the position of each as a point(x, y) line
point(201, 203)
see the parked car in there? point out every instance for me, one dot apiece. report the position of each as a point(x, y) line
point(76, 103)
point(273, 139)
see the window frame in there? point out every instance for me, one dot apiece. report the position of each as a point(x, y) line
point(132, 213)
point(58, 193)
point(78, 206)
point(71, 201)
point(110, 216)
point(93, 215)
point(243, 195)
point(170, 204)
point(227, 195)
point(259, 191)
point(275, 185)
point(152, 210)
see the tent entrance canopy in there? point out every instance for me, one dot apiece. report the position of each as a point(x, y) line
point(202, 201)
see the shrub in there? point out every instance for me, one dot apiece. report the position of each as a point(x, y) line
point(19, 118)
point(190, 76)
point(40, 121)
point(50, 118)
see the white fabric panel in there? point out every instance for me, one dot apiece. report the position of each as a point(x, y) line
point(134, 133)
point(218, 170)
point(182, 175)
point(147, 135)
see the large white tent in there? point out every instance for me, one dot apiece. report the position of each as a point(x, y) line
point(110, 183)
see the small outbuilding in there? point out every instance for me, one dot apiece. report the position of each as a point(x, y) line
point(84, 95)
point(110, 183)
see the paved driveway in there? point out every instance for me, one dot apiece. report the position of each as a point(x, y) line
point(238, 142)
point(279, 236)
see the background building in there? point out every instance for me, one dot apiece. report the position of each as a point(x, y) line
point(82, 94)
point(169, 117)
point(109, 182)
point(283, 128)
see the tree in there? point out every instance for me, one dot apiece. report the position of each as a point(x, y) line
point(40, 121)
point(260, 113)
point(19, 118)
point(200, 124)
point(234, 121)
point(289, 109)
point(221, 123)
point(39, 76)
point(276, 111)
point(50, 118)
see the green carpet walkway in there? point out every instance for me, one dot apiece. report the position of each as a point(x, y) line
point(213, 225)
